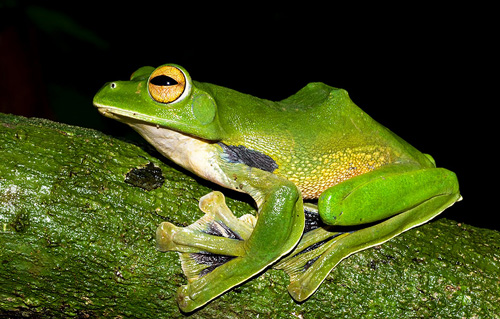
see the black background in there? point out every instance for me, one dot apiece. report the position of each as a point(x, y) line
point(426, 72)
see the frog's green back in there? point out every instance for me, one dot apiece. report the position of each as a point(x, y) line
point(315, 109)
point(318, 137)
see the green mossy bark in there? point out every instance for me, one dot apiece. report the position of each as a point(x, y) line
point(77, 240)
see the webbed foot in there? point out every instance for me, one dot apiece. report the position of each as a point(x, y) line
point(211, 241)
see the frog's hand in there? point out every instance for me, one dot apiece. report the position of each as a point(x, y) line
point(192, 242)
point(411, 196)
point(277, 230)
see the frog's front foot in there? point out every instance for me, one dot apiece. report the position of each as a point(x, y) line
point(212, 241)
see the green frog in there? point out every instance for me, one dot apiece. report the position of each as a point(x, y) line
point(313, 162)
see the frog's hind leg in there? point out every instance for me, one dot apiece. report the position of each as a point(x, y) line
point(211, 241)
point(317, 239)
point(321, 249)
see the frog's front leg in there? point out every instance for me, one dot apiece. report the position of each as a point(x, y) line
point(401, 196)
point(220, 251)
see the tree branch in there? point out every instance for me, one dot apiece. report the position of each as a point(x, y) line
point(77, 232)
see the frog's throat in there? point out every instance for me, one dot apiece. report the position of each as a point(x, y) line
point(198, 156)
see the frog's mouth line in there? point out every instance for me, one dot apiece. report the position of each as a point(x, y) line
point(119, 114)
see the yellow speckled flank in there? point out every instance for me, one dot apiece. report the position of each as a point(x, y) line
point(318, 173)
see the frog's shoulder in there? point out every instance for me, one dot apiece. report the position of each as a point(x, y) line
point(316, 95)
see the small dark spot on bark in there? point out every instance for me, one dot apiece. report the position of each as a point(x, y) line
point(148, 177)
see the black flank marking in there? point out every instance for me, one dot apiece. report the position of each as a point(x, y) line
point(252, 158)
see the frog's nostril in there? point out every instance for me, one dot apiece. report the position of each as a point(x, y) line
point(113, 85)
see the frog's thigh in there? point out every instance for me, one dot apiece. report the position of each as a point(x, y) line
point(277, 230)
point(383, 193)
point(307, 273)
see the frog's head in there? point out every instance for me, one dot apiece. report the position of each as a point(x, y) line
point(164, 97)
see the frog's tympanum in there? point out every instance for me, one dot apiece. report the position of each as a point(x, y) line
point(316, 147)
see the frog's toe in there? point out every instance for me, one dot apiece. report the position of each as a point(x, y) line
point(209, 242)
point(183, 298)
point(220, 221)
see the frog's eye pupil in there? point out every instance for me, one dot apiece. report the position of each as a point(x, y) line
point(163, 80)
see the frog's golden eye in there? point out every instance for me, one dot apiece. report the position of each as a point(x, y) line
point(166, 84)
